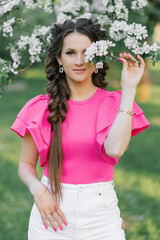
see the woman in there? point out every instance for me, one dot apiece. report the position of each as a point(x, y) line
point(79, 130)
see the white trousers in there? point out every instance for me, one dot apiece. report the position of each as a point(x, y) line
point(91, 210)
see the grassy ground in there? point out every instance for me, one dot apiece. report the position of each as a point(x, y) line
point(136, 176)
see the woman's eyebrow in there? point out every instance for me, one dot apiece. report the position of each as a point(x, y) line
point(73, 49)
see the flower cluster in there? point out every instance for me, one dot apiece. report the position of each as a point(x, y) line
point(66, 9)
point(7, 27)
point(138, 4)
point(98, 48)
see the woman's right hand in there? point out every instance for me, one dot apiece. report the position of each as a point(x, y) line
point(48, 207)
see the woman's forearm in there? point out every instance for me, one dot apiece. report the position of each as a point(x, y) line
point(29, 177)
point(119, 135)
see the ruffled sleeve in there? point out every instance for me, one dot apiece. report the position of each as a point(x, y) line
point(33, 118)
point(106, 115)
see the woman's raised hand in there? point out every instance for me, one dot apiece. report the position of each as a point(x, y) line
point(131, 73)
point(48, 207)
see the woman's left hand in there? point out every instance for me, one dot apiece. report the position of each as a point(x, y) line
point(131, 73)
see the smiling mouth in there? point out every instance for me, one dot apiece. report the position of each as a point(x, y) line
point(79, 70)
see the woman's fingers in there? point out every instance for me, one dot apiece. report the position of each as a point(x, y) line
point(142, 65)
point(44, 219)
point(134, 64)
point(61, 214)
point(52, 222)
point(129, 57)
point(56, 214)
point(56, 217)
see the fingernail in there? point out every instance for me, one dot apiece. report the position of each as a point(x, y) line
point(120, 53)
point(61, 228)
point(120, 59)
point(128, 53)
point(124, 52)
point(138, 55)
point(46, 227)
point(55, 229)
point(65, 223)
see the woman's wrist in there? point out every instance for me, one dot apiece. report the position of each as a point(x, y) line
point(128, 95)
point(128, 90)
point(37, 188)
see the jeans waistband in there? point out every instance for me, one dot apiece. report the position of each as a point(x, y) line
point(85, 188)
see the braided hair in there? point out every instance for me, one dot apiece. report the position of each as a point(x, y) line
point(60, 92)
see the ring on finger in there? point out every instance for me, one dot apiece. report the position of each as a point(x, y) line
point(50, 215)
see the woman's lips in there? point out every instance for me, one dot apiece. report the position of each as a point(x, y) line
point(79, 70)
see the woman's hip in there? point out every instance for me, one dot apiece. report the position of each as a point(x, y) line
point(91, 210)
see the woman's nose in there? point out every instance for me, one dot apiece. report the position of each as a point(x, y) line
point(79, 60)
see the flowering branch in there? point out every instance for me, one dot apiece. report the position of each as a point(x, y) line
point(113, 16)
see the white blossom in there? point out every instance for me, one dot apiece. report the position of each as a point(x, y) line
point(118, 30)
point(121, 10)
point(22, 42)
point(15, 57)
point(5, 67)
point(7, 27)
point(48, 7)
point(131, 42)
point(61, 18)
point(71, 7)
point(7, 5)
point(31, 4)
point(85, 15)
point(98, 48)
point(103, 20)
point(154, 47)
point(105, 2)
point(35, 48)
point(41, 30)
point(141, 50)
point(137, 4)
point(99, 64)
point(138, 30)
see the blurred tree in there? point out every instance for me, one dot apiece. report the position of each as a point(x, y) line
point(152, 13)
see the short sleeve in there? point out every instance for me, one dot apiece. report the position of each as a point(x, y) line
point(106, 115)
point(33, 118)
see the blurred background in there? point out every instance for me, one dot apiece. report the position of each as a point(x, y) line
point(137, 179)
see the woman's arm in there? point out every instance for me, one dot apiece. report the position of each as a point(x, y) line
point(44, 200)
point(27, 164)
point(119, 135)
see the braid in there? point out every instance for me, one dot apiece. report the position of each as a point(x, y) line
point(58, 106)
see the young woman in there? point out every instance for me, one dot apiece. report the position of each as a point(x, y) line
point(79, 130)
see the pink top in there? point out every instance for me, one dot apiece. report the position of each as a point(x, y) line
point(84, 131)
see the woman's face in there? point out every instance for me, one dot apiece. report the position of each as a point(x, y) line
point(73, 58)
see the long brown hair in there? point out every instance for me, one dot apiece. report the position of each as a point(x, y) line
point(60, 92)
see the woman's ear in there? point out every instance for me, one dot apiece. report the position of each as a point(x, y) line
point(59, 60)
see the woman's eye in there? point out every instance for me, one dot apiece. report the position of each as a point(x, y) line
point(69, 53)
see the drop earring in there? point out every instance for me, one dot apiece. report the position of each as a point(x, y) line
point(96, 70)
point(61, 69)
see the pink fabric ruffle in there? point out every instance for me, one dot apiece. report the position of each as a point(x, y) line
point(106, 116)
point(33, 118)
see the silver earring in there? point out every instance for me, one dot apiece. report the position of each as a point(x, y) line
point(96, 70)
point(61, 69)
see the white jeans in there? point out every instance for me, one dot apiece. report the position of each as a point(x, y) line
point(91, 210)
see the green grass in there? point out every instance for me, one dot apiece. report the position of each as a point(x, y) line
point(136, 176)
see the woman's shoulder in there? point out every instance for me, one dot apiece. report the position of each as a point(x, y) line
point(111, 95)
point(38, 100)
point(34, 106)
